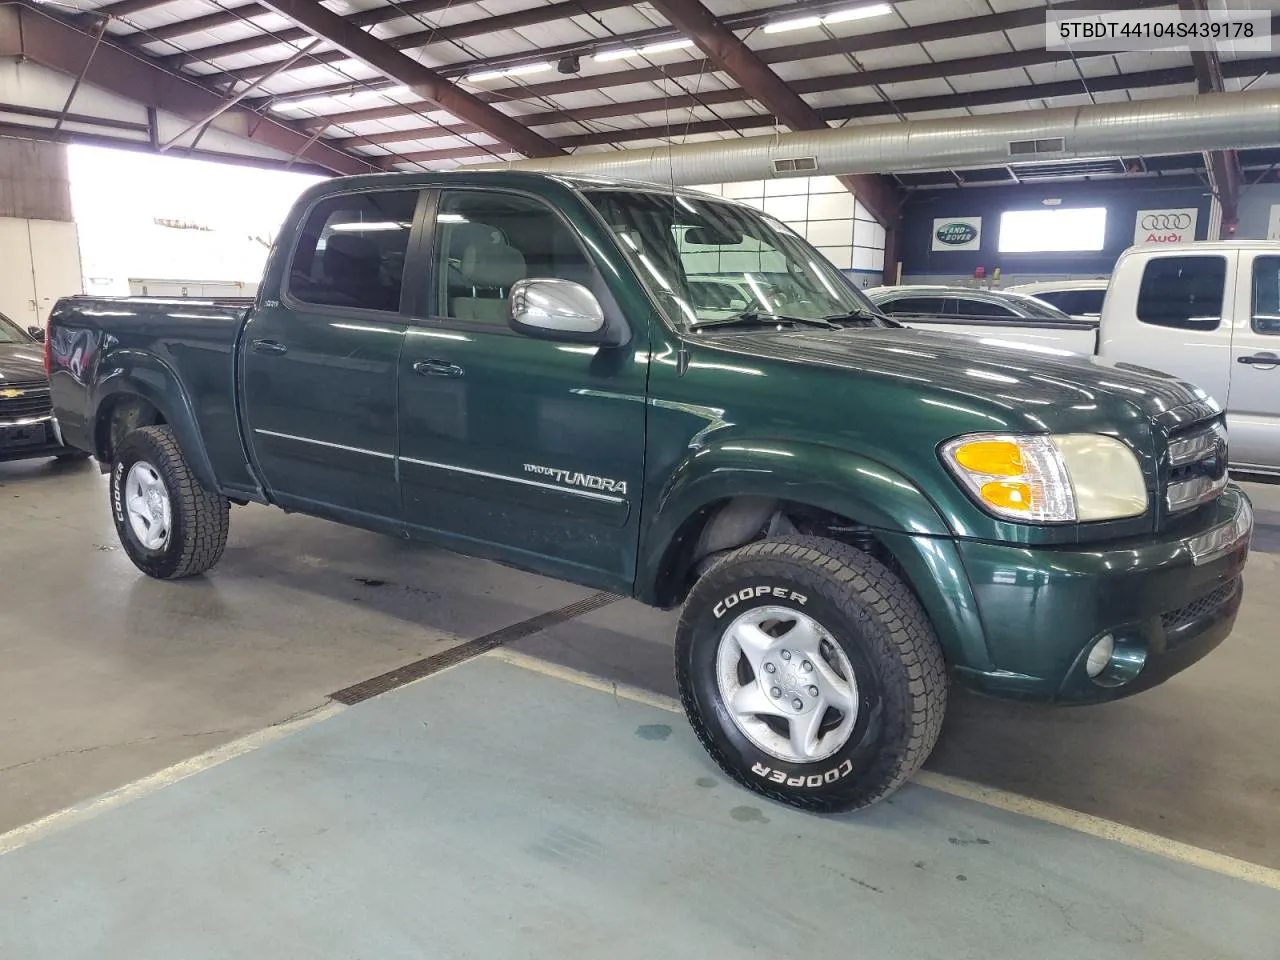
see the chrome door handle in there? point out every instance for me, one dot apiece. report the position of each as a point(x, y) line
point(440, 368)
point(269, 346)
point(1261, 359)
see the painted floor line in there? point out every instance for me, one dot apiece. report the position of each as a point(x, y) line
point(1041, 810)
point(77, 813)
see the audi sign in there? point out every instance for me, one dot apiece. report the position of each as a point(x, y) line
point(1165, 226)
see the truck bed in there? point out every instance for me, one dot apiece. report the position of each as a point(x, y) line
point(195, 338)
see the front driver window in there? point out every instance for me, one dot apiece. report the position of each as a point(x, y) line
point(486, 242)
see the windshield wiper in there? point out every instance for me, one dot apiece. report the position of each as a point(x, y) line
point(752, 319)
point(865, 317)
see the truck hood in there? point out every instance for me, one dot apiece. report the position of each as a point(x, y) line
point(1024, 385)
point(21, 363)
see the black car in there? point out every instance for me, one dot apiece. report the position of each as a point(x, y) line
point(27, 427)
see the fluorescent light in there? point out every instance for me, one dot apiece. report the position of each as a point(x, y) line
point(620, 54)
point(840, 16)
point(666, 45)
point(799, 23)
point(508, 72)
point(528, 68)
point(451, 218)
point(858, 13)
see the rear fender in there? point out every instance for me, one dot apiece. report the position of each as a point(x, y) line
point(133, 373)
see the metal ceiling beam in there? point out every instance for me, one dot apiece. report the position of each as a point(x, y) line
point(967, 66)
point(422, 80)
point(732, 56)
point(966, 27)
point(37, 35)
point(1223, 166)
point(408, 41)
point(551, 13)
point(1151, 78)
point(364, 18)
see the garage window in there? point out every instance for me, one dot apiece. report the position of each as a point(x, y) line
point(1183, 292)
point(1053, 231)
point(1266, 295)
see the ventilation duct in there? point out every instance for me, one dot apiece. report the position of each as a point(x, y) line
point(1212, 121)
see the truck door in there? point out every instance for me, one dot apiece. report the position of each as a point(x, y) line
point(318, 367)
point(1168, 312)
point(523, 450)
point(1253, 406)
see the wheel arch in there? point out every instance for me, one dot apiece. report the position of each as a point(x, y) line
point(136, 389)
point(726, 504)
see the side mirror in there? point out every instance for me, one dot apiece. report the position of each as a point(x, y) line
point(556, 310)
point(37, 333)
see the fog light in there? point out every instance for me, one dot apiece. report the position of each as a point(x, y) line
point(1100, 656)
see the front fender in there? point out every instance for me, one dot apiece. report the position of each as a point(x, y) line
point(135, 373)
point(844, 483)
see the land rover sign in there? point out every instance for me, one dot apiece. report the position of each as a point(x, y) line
point(957, 233)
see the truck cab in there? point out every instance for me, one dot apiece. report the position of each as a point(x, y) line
point(1208, 312)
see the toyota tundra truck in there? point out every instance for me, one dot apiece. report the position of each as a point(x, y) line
point(852, 514)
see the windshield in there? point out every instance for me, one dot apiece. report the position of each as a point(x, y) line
point(10, 333)
point(706, 261)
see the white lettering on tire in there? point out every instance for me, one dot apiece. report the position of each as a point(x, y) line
point(810, 782)
point(750, 593)
point(117, 498)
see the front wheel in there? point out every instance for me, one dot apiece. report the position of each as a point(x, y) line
point(810, 673)
point(168, 523)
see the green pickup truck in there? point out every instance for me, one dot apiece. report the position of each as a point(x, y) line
point(530, 368)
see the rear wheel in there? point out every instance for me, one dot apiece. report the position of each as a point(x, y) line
point(810, 673)
point(168, 523)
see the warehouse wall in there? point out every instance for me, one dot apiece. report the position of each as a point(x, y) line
point(821, 210)
point(1122, 198)
point(1255, 212)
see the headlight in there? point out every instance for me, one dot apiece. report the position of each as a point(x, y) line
point(1049, 478)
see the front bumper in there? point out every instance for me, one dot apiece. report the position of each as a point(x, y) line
point(30, 437)
point(1168, 602)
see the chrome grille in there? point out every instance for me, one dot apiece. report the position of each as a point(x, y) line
point(24, 401)
point(1197, 467)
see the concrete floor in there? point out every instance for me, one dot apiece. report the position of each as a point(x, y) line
point(425, 824)
point(110, 676)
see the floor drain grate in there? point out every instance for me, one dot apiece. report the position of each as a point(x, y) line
point(366, 689)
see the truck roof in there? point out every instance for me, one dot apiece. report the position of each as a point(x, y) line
point(1201, 246)
point(443, 178)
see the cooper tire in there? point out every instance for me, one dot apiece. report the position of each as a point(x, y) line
point(195, 520)
point(898, 683)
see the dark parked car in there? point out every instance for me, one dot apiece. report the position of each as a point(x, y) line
point(27, 426)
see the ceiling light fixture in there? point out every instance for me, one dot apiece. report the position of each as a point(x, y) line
point(519, 71)
point(621, 53)
point(863, 12)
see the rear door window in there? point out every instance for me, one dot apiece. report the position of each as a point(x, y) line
point(983, 309)
point(352, 251)
point(1266, 295)
point(1184, 292)
point(913, 307)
